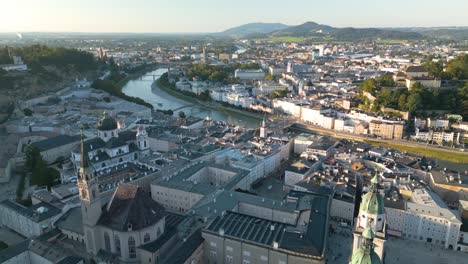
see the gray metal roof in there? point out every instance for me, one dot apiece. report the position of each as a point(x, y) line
point(248, 228)
point(36, 213)
point(71, 220)
point(55, 142)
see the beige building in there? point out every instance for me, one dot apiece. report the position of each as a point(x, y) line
point(386, 130)
point(428, 82)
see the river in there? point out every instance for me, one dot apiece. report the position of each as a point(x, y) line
point(161, 100)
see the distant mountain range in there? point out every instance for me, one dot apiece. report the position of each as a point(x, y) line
point(253, 28)
point(315, 30)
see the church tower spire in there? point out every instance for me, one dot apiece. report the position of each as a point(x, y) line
point(89, 195)
point(366, 254)
point(371, 217)
point(263, 129)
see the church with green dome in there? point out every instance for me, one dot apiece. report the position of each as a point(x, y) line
point(365, 254)
point(370, 226)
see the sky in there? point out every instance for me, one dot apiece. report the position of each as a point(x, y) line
point(171, 16)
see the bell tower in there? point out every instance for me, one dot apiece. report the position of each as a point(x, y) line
point(371, 216)
point(89, 195)
point(263, 129)
point(365, 253)
point(142, 140)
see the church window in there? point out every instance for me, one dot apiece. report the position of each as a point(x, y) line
point(144, 144)
point(146, 238)
point(159, 231)
point(103, 164)
point(105, 134)
point(120, 160)
point(117, 244)
point(107, 242)
point(112, 133)
point(131, 247)
point(135, 156)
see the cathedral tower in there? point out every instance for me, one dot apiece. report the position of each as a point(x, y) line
point(365, 254)
point(371, 216)
point(89, 195)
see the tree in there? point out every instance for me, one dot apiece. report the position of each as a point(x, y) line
point(27, 112)
point(39, 173)
point(181, 114)
point(402, 101)
point(385, 80)
point(269, 77)
point(458, 68)
point(369, 86)
point(434, 68)
point(414, 102)
point(31, 153)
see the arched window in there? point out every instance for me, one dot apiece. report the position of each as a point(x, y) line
point(131, 247)
point(112, 133)
point(135, 156)
point(103, 164)
point(159, 231)
point(144, 143)
point(120, 160)
point(117, 245)
point(107, 242)
point(146, 238)
point(105, 134)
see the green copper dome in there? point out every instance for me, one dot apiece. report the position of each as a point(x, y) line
point(372, 203)
point(368, 233)
point(375, 180)
point(363, 256)
point(107, 123)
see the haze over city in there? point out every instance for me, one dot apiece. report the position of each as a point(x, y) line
point(233, 132)
point(166, 16)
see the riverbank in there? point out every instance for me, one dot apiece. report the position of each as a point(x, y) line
point(136, 75)
point(115, 88)
point(410, 147)
point(203, 104)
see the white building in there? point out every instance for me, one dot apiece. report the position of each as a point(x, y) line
point(426, 218)
point(249, 74)
point(28, 221)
